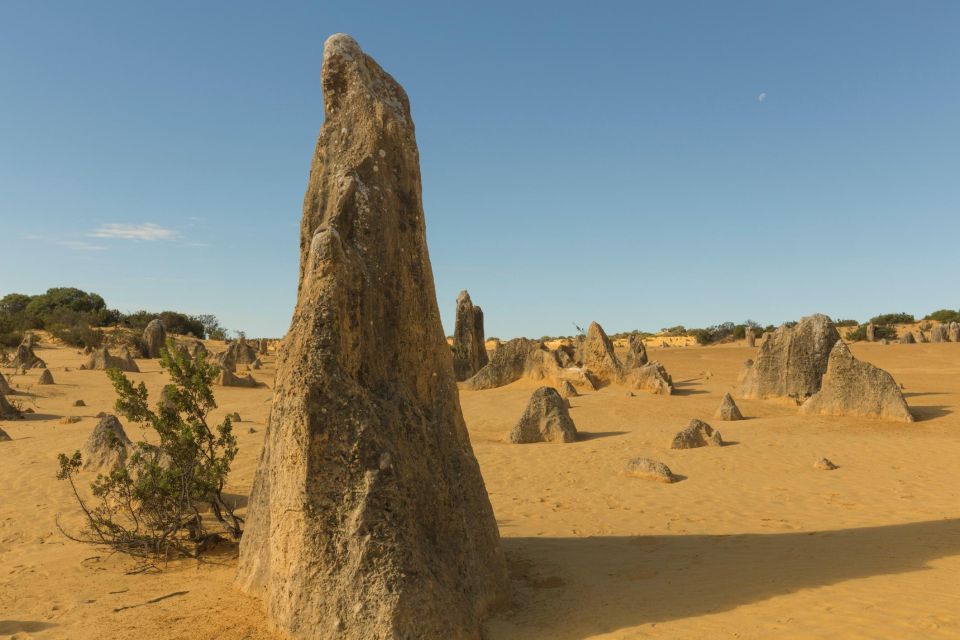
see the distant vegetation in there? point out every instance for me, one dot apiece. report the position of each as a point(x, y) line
point(944, 315)
point(77, 318)
point(880, 332)
point(893, 318)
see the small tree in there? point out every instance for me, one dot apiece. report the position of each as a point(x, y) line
point(154, 503)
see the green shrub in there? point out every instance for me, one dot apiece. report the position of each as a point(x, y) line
point(150, 505)
point(893, 318)
point(944, 315)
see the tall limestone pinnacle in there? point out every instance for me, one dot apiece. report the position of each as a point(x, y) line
point(470, 352)
point(368, 517)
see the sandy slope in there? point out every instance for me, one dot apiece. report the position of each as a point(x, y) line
point(753, 543)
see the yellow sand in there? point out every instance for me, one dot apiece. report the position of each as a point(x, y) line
point(752, 543)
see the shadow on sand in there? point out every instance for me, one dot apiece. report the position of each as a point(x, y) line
point(618, 582)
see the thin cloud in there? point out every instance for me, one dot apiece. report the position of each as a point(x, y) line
point(77, 245)
point(762, 97)
point(148, 231)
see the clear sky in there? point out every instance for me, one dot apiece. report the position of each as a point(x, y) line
point(642, 164)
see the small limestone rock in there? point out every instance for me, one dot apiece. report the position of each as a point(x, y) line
point(824, 464)
point(728, 409)
point(567, 390)
point(4, 436)
point(649, 470)
point(697, 434)
point(25, 358)
point(907, 338)
point(953, 332)
point(70, 419)
point(939, 334)
point(101, 360)
point(79, 403)
point(230, 379)
point(545, 419)
point(45, 377)
point(251, 430)
point(234, 417)
point(636, 353)
point(107, 446)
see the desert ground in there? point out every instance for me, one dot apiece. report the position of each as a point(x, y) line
point(753, 542)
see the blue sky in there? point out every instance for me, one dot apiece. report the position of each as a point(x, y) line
point(640, 164)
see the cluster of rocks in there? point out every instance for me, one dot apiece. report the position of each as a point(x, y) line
point(368, 516)
point(25, 358)
point(469, 346)
point(101, 359)
point(228, 378)
point(591, 363)
point(810, 363)
point(238, 352)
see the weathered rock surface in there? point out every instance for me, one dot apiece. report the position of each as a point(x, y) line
point(25, 358)
point(598, 355)
point(567, 390)
point(45, 377)
point(228, 378)
point(792, 360)
point(649, 470)
point(921, 337)
point(238, 352)
point(871, 332)
point(7, 410)
point(101, 359)
point(953, 332)
point(545, 419)
point(652, 377)
point(728, 409)
point(4, 436)
point(852, 387)
point(154, 339)
point(939, 334)
point(907, 338)
point(514, 359)
point(636, 353)
point(697, 434)
point(368, 516)
point(751, 337)
point(469, 350)
point(823, 464)
point(4, 385)
point(107, 446)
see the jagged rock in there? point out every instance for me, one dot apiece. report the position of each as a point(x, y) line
point(792, 361)
point(651, 377)
point(907, 338)
point(4, 436)
point(823, 464)
point(939, 333)
point(469, 350)
point(649, 470)
point(751, 337)
point(107, 447)
point(564, 357)
point(230, 379)
point(567, 390)
point(154, 339)
point(101, 359)
point(697, 434)
point(7, 410)
point(921, 337)
point(852, 387)
point(25, 358)
point(545, 419)
point(871, 332)
point(636, 353)
point(45, 377)
point(368, 516)
point(953, 332)
point(599, 357)
point(514, 359)
point(728, 409)
point(238, 352)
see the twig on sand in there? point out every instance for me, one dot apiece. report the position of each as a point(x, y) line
point(152, 600)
